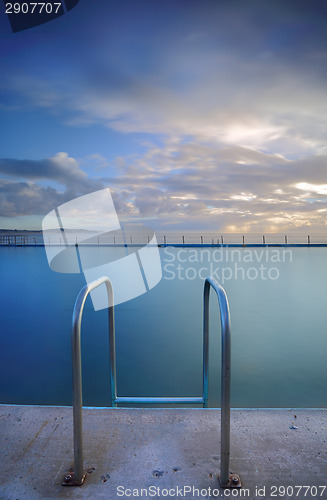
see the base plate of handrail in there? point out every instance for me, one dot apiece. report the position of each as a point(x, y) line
point(234, 482)
point(69, 479)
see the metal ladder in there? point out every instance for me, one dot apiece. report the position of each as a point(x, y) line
point(226, 479)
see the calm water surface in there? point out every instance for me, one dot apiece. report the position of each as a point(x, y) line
point(279, 330)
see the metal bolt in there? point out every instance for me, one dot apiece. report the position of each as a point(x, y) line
point(68, 478)
point(235, 479)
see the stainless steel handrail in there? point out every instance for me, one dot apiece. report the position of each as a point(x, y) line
point(226, 479)
point(77, 476)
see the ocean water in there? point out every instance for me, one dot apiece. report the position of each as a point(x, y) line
point(278, 311)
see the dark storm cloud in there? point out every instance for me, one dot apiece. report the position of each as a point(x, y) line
point(22, 198)
point(22, 192)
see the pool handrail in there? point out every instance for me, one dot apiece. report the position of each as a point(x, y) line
point(77, 476)
point(226, 479)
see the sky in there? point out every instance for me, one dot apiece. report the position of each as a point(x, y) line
point(198, 115)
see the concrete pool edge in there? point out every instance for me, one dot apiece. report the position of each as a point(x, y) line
point(254, 408)
point(163, 448)
point(177, 245)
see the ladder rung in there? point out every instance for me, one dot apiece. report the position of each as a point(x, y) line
point(198, 400)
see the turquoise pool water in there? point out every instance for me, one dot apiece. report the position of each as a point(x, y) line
point(279, 330)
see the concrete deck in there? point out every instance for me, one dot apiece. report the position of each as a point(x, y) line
point(166, 452)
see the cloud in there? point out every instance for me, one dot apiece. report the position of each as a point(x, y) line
point(254, 75)
point(23, 198)
point(25, 189)
point(187, 185)
point(193, 185)
point(232, 93)
point(278, 110)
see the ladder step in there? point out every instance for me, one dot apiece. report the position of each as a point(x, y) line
point(198, 400)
